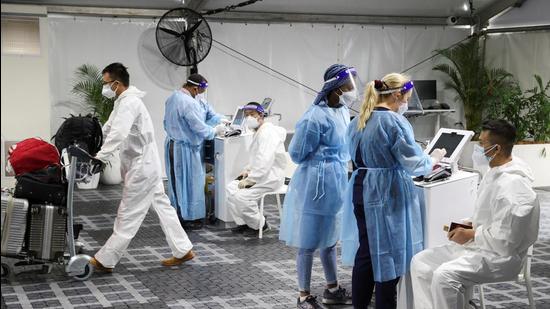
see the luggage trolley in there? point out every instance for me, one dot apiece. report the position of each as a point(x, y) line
point(76, 265)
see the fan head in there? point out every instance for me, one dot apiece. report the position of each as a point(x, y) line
point(183, 37)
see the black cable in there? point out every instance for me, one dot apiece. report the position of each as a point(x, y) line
point(261, 70)
point(471, 6)
point(263, 65)
point(436, 54)
point(268, 68)
point(230, 7)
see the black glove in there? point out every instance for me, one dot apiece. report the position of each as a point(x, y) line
point(97, 165)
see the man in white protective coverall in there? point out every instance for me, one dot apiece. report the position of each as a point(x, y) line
point(130, 129)
point(264, 172)
point(505, 224)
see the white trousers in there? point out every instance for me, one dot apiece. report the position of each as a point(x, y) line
point(131, 213)
point(443, 277)
point(243, 203)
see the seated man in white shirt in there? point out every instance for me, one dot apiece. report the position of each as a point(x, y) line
point(505, 224)
point(264, 172)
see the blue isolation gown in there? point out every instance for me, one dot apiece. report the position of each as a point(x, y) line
point(392, 208)
point(313, 205)
point(187, 123)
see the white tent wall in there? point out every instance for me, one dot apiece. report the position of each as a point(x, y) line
point(301, 51)
point(521, 53)
point(25, 97)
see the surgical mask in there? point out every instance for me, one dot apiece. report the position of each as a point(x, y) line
point(403, 107)
point(108, 92)
point(479, 156)
point(200, 97)
point(252, 123)
point(348, 97)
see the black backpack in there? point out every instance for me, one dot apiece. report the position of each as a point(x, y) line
point(82, 130)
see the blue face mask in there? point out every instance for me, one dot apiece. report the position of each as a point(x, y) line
point(480, 157)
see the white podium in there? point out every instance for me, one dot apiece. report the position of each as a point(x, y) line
point(231, 156)
point(444, 202)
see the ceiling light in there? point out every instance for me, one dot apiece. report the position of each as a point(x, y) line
point(464, 7)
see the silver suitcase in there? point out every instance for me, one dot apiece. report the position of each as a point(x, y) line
point(14, 224)
point(47, 226)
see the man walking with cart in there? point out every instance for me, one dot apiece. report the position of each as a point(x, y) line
point(130, 129)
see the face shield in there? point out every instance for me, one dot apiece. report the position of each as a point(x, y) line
point(201, 96)
point(254, 107)
point(414, 104)
point(352, 89)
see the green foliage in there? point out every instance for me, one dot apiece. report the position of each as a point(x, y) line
point(87, 86)
point(506, 103)
point(528, 111)
point(494, 93)
point(465, 71)
point(537, 103)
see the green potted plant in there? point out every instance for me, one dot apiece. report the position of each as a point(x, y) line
point(87, 87)
point(529, 112)
point(534, 145)
point(473, 83)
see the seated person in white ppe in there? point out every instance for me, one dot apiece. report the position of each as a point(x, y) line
point(264, 172)
point(505, 224)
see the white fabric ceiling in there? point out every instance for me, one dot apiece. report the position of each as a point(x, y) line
point(439, 8)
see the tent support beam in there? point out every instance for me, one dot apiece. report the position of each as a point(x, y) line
point(260, 17)
point(497, 8)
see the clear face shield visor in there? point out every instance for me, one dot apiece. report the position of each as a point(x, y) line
point(414, 104)
point(352, 90)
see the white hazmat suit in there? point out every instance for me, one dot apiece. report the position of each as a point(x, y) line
point(506, 223)
point(130, 129)
point(265, 168)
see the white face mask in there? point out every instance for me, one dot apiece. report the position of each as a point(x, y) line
point(252, 122)
point(108, 92)
point(403, 107)
point(200, 97)
point(348, 97)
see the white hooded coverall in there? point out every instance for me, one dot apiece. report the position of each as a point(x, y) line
point(130, 129)
point(506, 223)
point(266, 168)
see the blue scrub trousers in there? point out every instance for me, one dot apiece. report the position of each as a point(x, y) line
point(304, 263)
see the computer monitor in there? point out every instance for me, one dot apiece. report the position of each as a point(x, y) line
point(427, 89)
point(453, 141)
point(238, 118)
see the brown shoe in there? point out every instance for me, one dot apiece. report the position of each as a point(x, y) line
point(98, 267)
point(174, 261)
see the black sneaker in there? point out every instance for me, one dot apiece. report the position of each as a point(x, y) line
point(196, 225)
point(309, 303)
point(239, 229)
point(338, 297)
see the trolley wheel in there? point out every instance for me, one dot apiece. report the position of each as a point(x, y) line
point(5, 270)
point(87, 273)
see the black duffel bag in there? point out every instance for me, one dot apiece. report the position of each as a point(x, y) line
point(43, 186)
